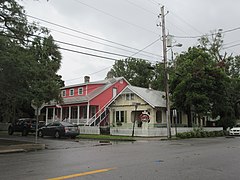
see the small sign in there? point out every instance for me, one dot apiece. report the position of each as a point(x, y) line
point(144, 117)
point(37, 109)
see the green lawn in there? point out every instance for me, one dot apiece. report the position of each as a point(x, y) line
point(105, 137)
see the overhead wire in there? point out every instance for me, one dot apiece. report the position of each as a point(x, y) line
point(90, 54)
point(115, 17)
point(194, 37)
point(111, 65)
point(89, 40)
point(86, 34)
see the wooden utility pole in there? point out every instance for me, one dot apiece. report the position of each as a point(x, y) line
point(164, 39)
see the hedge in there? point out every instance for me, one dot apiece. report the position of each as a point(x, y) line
point(200, 133)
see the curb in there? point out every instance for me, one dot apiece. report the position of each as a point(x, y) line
point(22, 148)
point(6, 151)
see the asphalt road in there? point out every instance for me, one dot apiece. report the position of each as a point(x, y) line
point(209, 158)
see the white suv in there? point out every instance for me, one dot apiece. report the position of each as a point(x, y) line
point(235, 130)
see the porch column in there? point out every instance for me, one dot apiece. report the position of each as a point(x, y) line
point(46, 115)
point(61, 112)
point(78, 115)
point(54, 114)
point(88, 112)
point(69, 113)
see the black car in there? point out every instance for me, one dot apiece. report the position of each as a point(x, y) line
point(24, 125)
point(58, 129)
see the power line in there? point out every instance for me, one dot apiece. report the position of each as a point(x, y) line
point(111, 66)
point(150, 12)
point(86, 34)
point(156, 55)
point(66, 49)
point(83, 47)
point(140, 7)
point(232, 46)
point(194, 37)
point(115, 17)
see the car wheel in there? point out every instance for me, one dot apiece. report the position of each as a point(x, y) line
point(40, 134)
point(24, 132)
point(73, 137)
point(57, 134)
point(10, 131)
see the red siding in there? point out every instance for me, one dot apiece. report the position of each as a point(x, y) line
point(86, 89)
point(102, 99)
point(92, 87)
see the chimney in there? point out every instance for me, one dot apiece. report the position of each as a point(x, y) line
point(86, 79)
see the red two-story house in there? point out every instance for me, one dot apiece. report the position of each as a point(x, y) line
point(86, 103)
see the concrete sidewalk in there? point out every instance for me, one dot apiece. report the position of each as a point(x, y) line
point(12, 146)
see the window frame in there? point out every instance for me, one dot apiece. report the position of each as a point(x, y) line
point(63, 93)
point(71, 90)
point(80, 88)
point(129, 96)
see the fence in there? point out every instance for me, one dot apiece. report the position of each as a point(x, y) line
point(151, 132)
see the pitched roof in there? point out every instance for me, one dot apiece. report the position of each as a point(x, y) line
point(79, 99)
point(105, 81)
point(152, 97)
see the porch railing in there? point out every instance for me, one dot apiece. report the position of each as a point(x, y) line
point(98, 117)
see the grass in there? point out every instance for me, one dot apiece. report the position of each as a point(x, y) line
point(105, 137)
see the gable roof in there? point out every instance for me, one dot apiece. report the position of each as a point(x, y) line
point(152, 97)
point(79, 99)
point(105, 81)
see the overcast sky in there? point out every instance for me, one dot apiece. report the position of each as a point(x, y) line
point(126, 26)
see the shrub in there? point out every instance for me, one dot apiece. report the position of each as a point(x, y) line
point(200, 133)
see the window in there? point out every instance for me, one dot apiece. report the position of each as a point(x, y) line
point(159, 116)
point(71, 92)
point(83, 110)
point(129, 96)
point(80, 91)
point(63, 93)
point(121, 116)
point(178, 119)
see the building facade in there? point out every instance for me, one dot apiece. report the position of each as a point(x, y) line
point(145, 107)
point(86, 103)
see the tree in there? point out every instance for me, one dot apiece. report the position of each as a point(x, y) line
point(231, 67)
point(28, 63)
point(198, 84)
point(138, 72)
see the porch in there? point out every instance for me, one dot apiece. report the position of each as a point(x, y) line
point(75, 114)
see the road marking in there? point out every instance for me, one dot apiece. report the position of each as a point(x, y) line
point(81, 174)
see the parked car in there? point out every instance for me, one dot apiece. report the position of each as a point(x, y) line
point(58, 129)
point(24, 125)
point(235, 130)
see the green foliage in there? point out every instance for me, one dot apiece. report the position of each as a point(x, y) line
point(139, 72)
point(28, 63)
point(136, 71)
point(198, 84)
point(200, 133)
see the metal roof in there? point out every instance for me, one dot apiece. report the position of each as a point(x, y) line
point(105, 81)
point(152, 97)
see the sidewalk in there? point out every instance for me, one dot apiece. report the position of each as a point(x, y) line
point(12, 146)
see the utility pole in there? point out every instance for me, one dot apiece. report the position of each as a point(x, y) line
point(166, 73)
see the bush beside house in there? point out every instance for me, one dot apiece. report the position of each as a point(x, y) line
point(200, 133)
